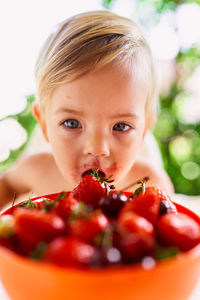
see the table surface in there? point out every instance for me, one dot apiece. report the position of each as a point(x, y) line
point(192, 203)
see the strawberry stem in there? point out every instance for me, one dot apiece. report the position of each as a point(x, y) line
point(96, 175)
point(142, 187)
point(145, 179)
point(13, 202)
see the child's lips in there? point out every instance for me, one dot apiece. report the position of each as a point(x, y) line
point(90, 171)
point(102, 172)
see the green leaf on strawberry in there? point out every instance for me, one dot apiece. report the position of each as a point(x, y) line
point(28, 204)
point(136, 193)
point(49, 204)
point(61, 196)
point(39, 251)
point(165, 252)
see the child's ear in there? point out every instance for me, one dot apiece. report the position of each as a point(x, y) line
point(38, 116)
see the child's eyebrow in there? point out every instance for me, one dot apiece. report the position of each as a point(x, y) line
point(121, 115)
point(125, 115)
point(68, 110)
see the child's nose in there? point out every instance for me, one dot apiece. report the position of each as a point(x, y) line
point(96, 145)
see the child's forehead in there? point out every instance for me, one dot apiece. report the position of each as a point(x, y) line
point(110, 88)
point(110, 78)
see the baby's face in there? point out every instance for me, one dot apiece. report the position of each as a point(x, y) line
point(97, 121)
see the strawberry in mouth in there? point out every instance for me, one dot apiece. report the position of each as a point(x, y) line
point(92, 187)
point(100, 173)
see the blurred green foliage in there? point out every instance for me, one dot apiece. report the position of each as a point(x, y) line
point(163, 5)
point(28, 122)
point(108, 3)
point(179, 141)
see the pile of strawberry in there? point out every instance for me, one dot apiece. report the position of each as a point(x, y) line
point(94, 226)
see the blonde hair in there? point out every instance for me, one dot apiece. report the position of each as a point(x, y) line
point(87, 42)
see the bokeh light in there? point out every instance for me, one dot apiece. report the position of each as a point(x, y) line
point(164, 42)
point(190, 170)
point(165, 126)
point(188, 23)
point(180, 148)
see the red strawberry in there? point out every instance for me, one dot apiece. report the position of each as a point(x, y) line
point(90, 189)
point(46, 204)
point(69, 251)
point(33, 226)
point(131, 222)
point(65, 207)
point(151, 204)
point(178, 230)
point(88, 227)
point(136, 236)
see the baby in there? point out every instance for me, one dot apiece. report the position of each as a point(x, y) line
point(96, 99)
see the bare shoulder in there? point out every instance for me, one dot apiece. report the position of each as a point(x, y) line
point(157, 175)
point(23, 175)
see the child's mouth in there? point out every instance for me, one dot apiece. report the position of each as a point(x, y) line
point(90, 171)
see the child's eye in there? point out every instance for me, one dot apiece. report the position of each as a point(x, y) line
point(121, 127)
point(72, 124)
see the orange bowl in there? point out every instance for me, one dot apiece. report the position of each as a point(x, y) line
point(173, 278)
